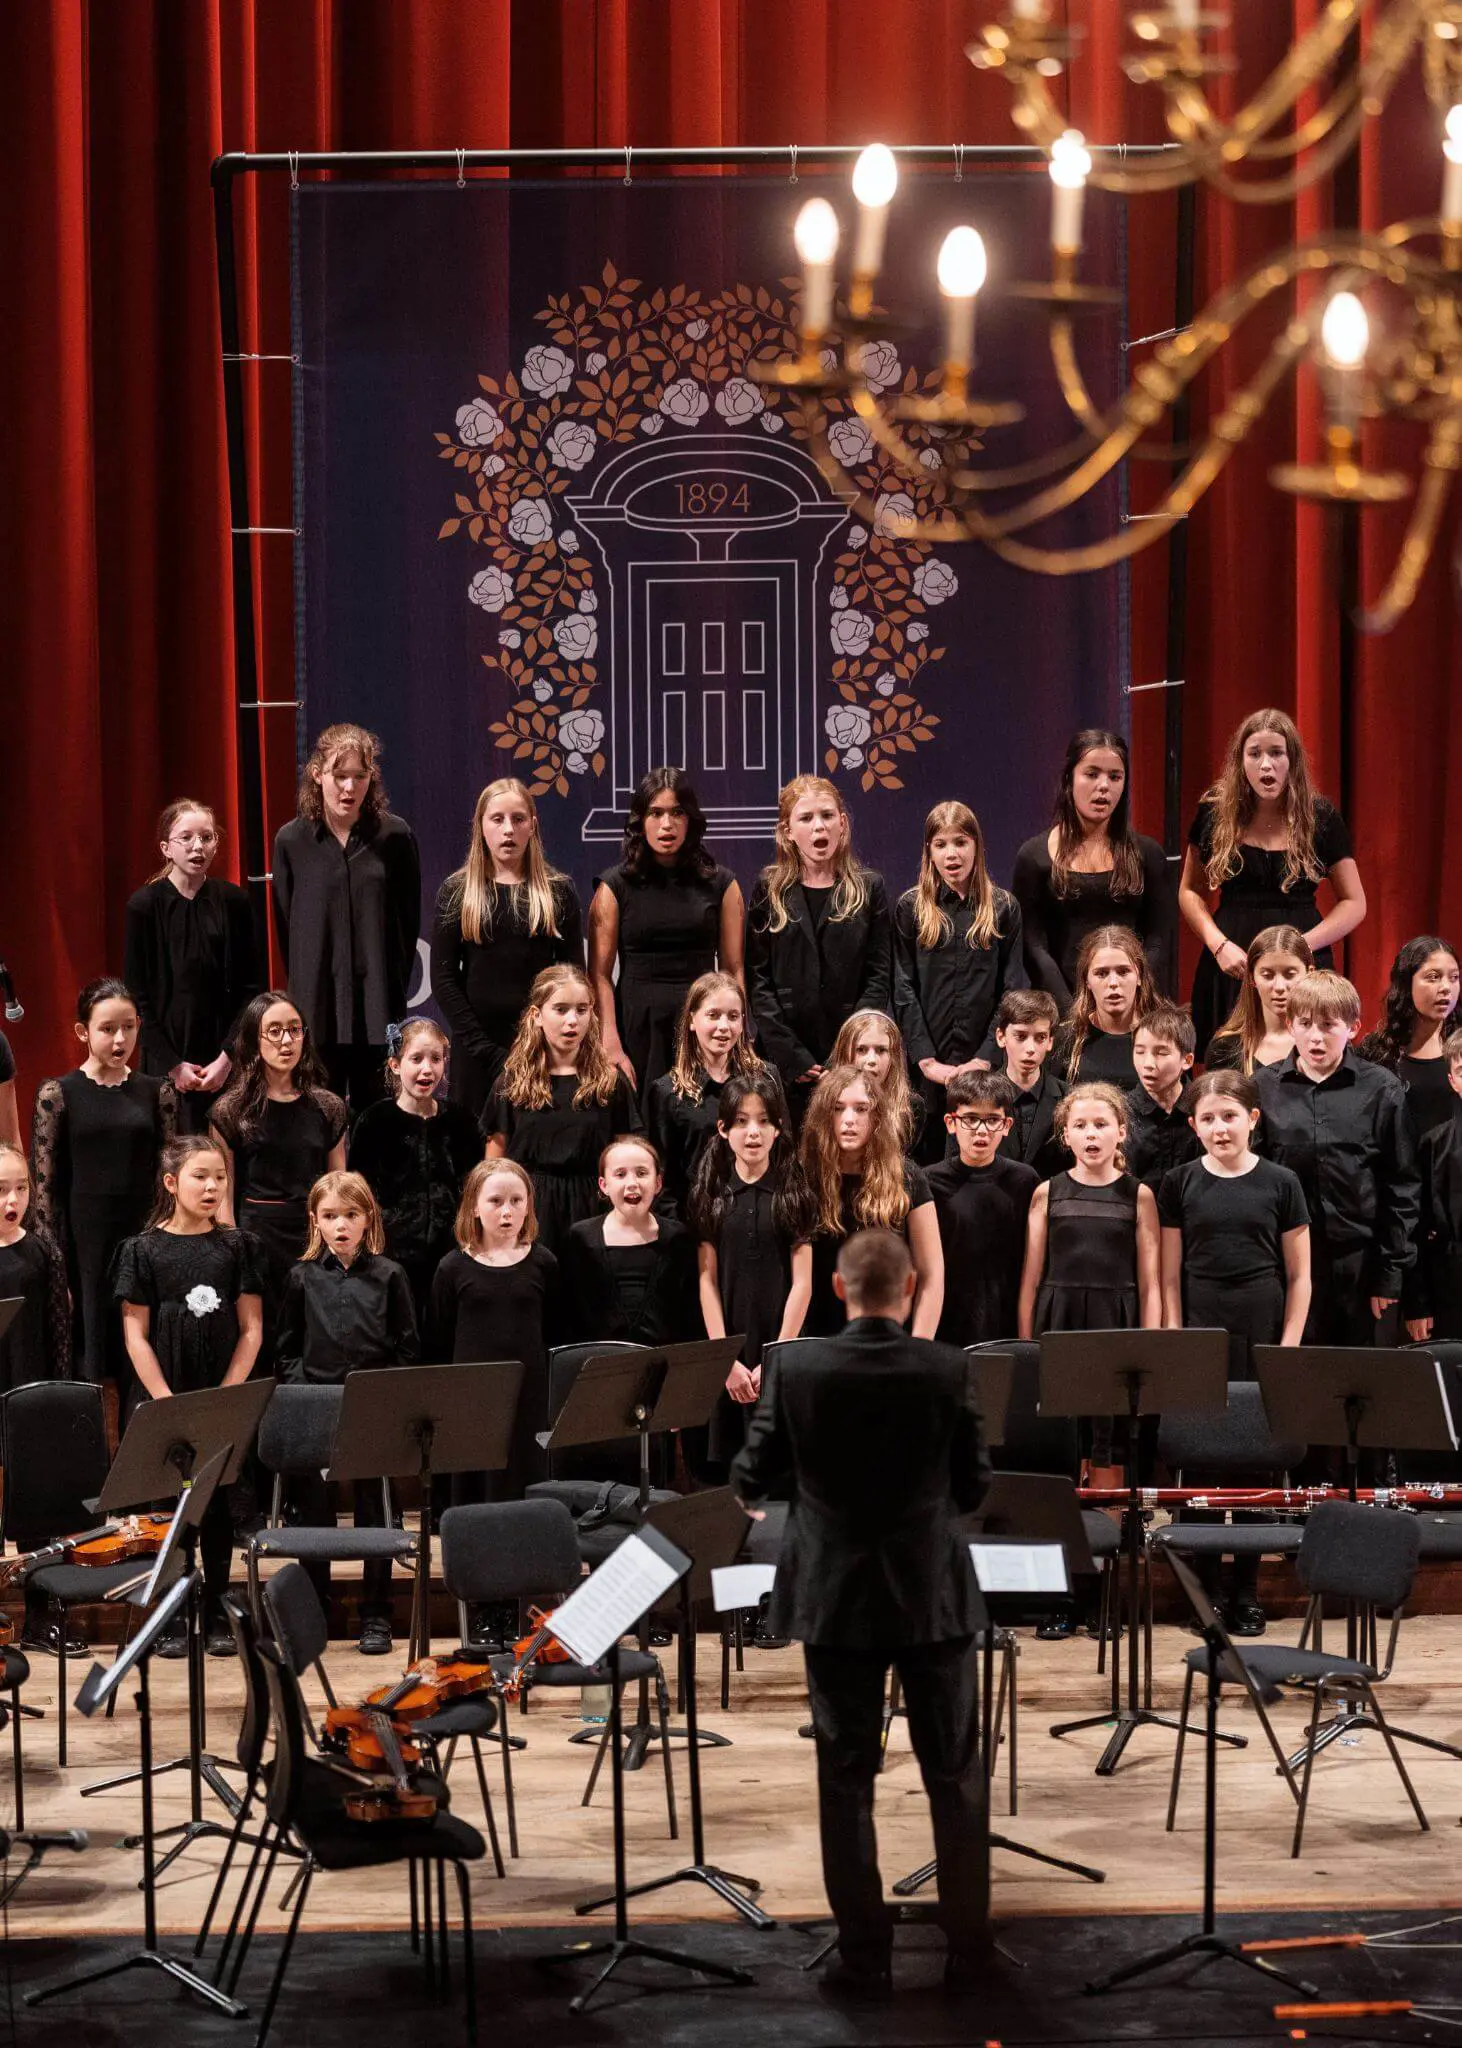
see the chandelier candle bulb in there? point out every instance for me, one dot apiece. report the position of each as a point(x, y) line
point(816, 237)
point(1070, 169)
point(1345, 335)
point(875, 180)
point(1185, 16)
point(1452, 173)
point(962, 269)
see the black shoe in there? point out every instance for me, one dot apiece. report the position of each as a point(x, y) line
point(45, 1638)
point(375, 1637)
point(1246, 1618)
point(763, 1636)
point(172, 1644)
point(1056, 1628)
point(220, 1641)
point(660, 1637)
point(807, 1732)
point(867, 1986)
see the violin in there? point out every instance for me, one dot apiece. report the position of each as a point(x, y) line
point(7, 1631)
point(395, 1797)
point(428, 1686)
point(541, 1647)
point(113, 1543)
point(356, 1733)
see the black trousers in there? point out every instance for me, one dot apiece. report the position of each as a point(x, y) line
point(940, 1684)
point(310, 1497)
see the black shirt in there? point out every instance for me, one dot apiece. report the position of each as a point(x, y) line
point(481, 986)
point(192, 964)
point(1105, 1056)
point(1233, 1225)
point(282, 1156)
point(1032, 1136)
point(825, 1313)
point(1157, 1138)
point(638, 1294)
point(416, 1166)
point(1056, 926)
point(946, 996)
point(348, 919)
point(1349, 1140)
point(335, 1319)
point(982, 1213)
point(680, 1129)
point(1429, 1094)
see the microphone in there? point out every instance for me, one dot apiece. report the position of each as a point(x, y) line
point(13, 1008)
point(74, 1839)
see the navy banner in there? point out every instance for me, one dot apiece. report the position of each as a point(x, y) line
point(551, 527)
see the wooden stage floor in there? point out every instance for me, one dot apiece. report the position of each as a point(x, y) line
point(1362, 1846)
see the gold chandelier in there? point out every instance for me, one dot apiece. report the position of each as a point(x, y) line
point(1264, 152)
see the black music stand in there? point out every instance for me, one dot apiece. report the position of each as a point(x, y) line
point(1136, 1373)
point(414, 1421)
point(711, 1529)
point(643, 1393)
point(164, 1445)
point(632, 1580)
point(991, 1375)
point(1207, 1942)
point(1355, 1399)
point(97, 1688)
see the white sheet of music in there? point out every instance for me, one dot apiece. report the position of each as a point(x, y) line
point(1020, 1567)
point(610, 1601)
point(741, 1585)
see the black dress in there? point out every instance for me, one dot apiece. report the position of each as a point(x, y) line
point(416, 1166)
point(946, 996)
point(276, 1163)
point(635, 1294)
point(1430, 1098)
point(479, 1313)
point(1105, 1056)
point(481, 987)
point(669, 933)
point(982, 1213)
point(1090, 1281)
point(94, 1154)
point(191, 1285)
point(679, 1129)
point(192, 963)
point(37, 1345)
point(560, 1147)
point(1055, 926)
point(826, 1315)
point(1233, 1250)
point(348, 919)
point(753, 1279)
point(1255, 898)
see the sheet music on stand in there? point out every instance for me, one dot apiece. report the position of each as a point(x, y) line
point(1013, 1567)
point(611, 1600)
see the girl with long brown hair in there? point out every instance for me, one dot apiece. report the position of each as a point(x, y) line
point(873, 1043)
point(191, 959)
point(501, 918)
point(558, 1102)
point(853, 1161)
point(958, 946)
point(347, 907)
point(819, 940)
point(1257, 1031)
point(1262, 842)
point(1419, 1012)
point(1114, 990)
point(1091, 869)
point(710, 1046)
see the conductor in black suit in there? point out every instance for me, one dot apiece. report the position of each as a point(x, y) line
point(875, 1440)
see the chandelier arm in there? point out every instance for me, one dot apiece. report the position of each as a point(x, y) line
point(1083, 407)
point(1439, 466)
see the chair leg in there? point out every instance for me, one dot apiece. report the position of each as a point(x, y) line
point(996, 1722)
point(663, 1698)
point(1104, 1608)
point(1178, 1747)
point(443, 1931)
point(1299, 1819)
point(240, 1818)
point(725, 1669)
point(601, 1748)
point(1012, 1653)
point(469, 1960)
point(507, 1749)
point(415, 1933)
point(15, 1752)
point(274, 1989)
point(247, 1937)
point(241, 1902)
point(497, 1854)
point(62, 1689)
point(1375, 1706)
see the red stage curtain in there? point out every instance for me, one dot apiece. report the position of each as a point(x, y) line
point(114, 588)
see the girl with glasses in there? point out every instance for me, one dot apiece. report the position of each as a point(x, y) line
point(191, 960)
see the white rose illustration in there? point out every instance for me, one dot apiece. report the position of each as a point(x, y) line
point(828, 358)
point(893, 515)
point(542, 689)
point(850, 441)
point(857, 536)
point(931, 458)
point(738, 400)
point(529, 523)
point(934, 581)
point(853, 758)
point(478, 426)
point(851, 632)
point(698, 329)
point(772, 422)
point(547, 370)
point(580, 733)
point(651, 423)
point(880, 365)
point(572, 444)
point(684, 401)
point(510, 637)
point(588, 602)
point(847, 725)
point(493, 465)
point(568, 541)
point(577, 764)
point(576, 638)
point(887, 683)
point(202, 1301)
point(837, 597)
point(594, 362)
point(490, 588)
point(918, 631)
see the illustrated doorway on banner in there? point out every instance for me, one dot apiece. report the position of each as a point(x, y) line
point(712, 555)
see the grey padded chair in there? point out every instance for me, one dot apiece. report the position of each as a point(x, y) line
point(297, 1435)
point(529, 1550)
point(1362, 1555)
point(1233, 1447)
